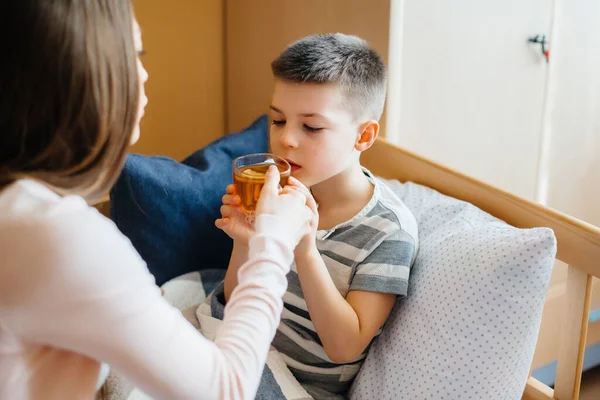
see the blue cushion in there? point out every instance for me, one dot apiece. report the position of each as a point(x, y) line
point(168, 209)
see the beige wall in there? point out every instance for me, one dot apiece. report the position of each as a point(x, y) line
point(184, 46)
point(209, 60)
point(257, 31)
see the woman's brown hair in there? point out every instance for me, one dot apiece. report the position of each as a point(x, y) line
point(69, 92)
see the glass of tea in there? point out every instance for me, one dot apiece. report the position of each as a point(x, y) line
point(249, 173)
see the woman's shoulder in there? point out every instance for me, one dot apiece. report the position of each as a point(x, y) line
point(30, 207)
point(44, 234)
point(28, 200)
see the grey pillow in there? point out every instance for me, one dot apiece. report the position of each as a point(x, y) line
point(468, 328)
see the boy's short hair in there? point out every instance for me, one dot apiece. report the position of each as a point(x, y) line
point(344, 60)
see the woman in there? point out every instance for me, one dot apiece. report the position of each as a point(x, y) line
point(73, 291)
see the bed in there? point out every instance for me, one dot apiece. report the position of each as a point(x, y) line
point(567, 329)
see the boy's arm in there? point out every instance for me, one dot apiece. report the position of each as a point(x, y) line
point(239, 256)
point(345, 326)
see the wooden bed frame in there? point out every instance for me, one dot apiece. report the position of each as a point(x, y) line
point(578, 246)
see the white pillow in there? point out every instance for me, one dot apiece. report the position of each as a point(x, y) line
point(468, 328)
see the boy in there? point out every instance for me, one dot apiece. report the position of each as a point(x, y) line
point(329, 95)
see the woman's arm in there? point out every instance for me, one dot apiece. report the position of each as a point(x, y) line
point(85, 289)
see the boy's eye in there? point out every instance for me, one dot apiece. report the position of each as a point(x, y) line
point(312, 129)
point(277, 122)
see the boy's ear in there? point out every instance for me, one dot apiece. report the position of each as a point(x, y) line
point(367, 135)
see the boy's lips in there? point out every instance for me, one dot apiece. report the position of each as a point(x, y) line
point(295, 167)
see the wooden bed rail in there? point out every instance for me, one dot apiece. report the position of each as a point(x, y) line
point(578, 246)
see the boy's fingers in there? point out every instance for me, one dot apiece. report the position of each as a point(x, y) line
point(227, 211)
point(230, 189)
point(231, 199)
point(222, 222)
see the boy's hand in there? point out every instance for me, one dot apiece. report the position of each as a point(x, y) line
point(233, 220)
point(308, 243)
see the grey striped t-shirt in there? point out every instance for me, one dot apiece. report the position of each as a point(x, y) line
point(373, 251)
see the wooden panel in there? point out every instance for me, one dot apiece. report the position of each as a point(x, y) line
point(573, 327)
point(559, 273)
point(546, 350)
point(259, 30)
point(579, 242)
point(536, 390)
point(593, 333)
point(184, 57)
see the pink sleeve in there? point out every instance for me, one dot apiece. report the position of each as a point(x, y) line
point(88, 291)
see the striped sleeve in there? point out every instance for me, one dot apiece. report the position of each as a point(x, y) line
point(387, 268)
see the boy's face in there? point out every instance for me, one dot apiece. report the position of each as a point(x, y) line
point(312, 130)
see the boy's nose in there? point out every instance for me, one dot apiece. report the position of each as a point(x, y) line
point(288, 138)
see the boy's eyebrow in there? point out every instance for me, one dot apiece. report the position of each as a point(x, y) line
point(302, 115)
point(313, 115)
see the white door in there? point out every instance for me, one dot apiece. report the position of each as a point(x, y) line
point(570, 177)
point(467, 89)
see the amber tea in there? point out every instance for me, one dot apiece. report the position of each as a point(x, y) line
point(249, 174)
